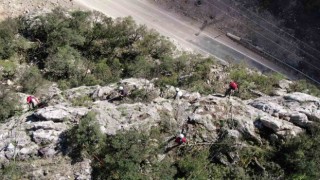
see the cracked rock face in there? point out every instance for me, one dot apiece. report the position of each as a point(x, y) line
point(60, 113)
point(298, 108)
point(37, 134)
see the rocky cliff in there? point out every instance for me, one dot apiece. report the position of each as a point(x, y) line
point(33, 138)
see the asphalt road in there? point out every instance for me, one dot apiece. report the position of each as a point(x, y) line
point(184, 32)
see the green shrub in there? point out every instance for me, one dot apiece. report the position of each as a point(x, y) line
point(116, 69)
point(8, 104)
point(252, 80)
point(8, 28)
point(141, 95)
point(9, 69)
point(140, 68)
point(166, 125)
point(31, 79)
point(82, 101)
point(11, 171)
point(125, 156)
point(64, 64)
point(64, 84)
point(300, 156)
point(167, 80)
point(86, 139)
point(65, 46)
point(194, 165)
point(305, 86)
point(103, 72)
point(90, 80)
point(201, 87)
point(155, 45)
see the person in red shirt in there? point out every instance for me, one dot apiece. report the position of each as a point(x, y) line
point(32, 101)
point(181, 139)
point(233, 86)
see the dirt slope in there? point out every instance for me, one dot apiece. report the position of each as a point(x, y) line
point(13, 8)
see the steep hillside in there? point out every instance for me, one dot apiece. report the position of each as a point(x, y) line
point(86, 133)
point(75, 63)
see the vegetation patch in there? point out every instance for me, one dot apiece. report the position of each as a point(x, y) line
point(305, 87)
point(8, 103)
point(252, 80)
point(82, 101)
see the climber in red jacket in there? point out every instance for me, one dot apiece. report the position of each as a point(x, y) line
point(32, 101)
point(180, 139)
point(233, 86)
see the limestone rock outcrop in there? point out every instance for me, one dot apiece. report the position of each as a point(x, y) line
point(37, 134)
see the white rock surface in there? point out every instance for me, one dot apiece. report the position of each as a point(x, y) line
point(60, 113)
point(280, 127)
point(284, 84)
point(301, 97)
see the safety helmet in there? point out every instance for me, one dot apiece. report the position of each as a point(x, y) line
point(181, 136)
point(177, 89)
point(120, 88)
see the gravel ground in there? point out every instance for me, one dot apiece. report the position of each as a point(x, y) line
point(14, 8)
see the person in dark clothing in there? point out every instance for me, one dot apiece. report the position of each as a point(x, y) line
point(122, 92)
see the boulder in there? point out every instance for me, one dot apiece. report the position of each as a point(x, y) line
point(54, 94)
point(206, 120)
point(301, 97)
point(102, 93)
point(28, 151)
point(279, 92)
point(300, 119)
point(160, 157)
point(14, 140)
point(49, 125)
point(313, 115)
point(280, 127)
point(22, 99)
point(47, 152)
point(271, 123)
point(233, 134)
point(83, 170)
point(50, 91)
point(247, 129)
point(269, 107)
point(191, 97)
point(108, 117)
point(311, 109)
point(168, 92)
point(9, 82)
point(60, 113)
point(44, 137)
point(134, 83)
point(284, 84)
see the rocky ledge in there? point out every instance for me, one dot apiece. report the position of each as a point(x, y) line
point(36, 135)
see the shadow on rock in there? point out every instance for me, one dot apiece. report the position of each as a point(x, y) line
point(69, 147)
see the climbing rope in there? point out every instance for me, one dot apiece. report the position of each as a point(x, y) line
point(230, 112)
